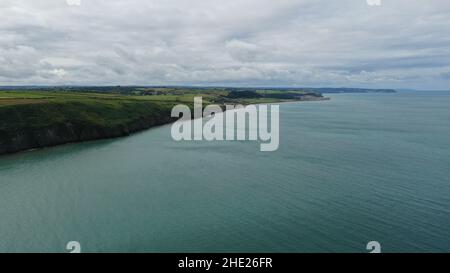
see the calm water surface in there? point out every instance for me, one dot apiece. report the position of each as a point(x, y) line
point(357, 168)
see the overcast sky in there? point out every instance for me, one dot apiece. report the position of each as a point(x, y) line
point(400, 44)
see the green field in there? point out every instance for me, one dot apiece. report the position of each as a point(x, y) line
point(111, 106)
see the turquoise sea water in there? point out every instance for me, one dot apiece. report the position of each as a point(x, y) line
point(357, 168)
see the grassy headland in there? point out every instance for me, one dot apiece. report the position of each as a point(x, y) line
point(41, 117)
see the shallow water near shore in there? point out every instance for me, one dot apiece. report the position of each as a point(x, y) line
point(357, 168)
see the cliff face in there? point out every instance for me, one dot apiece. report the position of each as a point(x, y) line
point(68, 133)
point(25, 127)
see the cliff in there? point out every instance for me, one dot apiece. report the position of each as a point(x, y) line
point(30, 126)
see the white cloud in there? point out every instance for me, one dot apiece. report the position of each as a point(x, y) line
point(58, 72)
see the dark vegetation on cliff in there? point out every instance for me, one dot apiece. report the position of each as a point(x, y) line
point(29, 125)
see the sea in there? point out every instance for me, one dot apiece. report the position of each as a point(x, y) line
point(354, 169)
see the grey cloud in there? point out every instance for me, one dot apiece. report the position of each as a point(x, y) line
point(245, 42)
point(242, 51)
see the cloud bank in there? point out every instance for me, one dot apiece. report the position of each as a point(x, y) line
point(400, 44)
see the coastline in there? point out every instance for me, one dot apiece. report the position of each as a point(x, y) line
point(87, 140)
point(57, 134)
point(26, 140)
